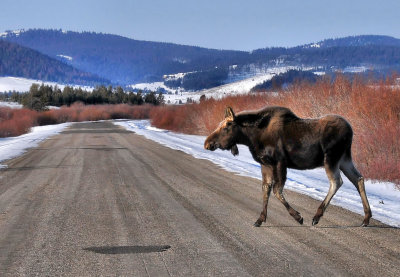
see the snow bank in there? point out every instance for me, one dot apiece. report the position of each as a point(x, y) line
point(384, 198)
point(14, 146)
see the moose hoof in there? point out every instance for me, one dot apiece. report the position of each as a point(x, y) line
point(257, 224)
point(365, 222)
point(301, 221)
point(315, 221)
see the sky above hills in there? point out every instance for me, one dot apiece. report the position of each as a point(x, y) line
point(221, 24)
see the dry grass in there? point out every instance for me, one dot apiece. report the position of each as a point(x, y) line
point(372, 109)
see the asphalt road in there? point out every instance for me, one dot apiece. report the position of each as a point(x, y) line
point(98, 200)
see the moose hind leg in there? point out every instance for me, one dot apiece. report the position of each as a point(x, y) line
point(267, 183)
point(278, 191)
point(356, 178)
point(335, 183)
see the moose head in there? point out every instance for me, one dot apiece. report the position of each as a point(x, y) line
point(224, 137)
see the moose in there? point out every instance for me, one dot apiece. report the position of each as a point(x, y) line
point(278, 139)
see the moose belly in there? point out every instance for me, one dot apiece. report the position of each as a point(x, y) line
point(305, 157)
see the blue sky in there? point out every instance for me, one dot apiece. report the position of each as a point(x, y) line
point(221, 24)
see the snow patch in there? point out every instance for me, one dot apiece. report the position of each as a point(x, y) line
point(68, 58)
point(13, 105)
point(355, 69)
point(180, 60)
point(20, 84)
point(384, 198)
point(12, 147)
point(15, 33)
point(176, 76)
point(155, 87)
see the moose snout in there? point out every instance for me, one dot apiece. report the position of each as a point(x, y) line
point(209, 145)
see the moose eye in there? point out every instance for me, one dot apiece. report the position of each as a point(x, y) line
point(227, 126)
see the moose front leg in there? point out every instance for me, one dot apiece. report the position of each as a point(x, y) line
point(280, 172)
point(267, 182)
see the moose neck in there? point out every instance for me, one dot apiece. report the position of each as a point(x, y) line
point(250, 131)
point(249, 128)
point(248, 135)
point(245, 135)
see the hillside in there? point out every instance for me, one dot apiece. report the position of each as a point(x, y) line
point(375, 52)
point(121, 59)
point(128, 61)
point(364, 40)
point(16, 60)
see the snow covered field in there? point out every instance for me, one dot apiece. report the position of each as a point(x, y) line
point(23, 85)
point(176, 96)
point(384, 198)
point(14, 146)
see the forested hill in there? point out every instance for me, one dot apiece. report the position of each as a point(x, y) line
point(121, 59)
point(127, 61)
point(16, 60)
point(359, 41)
point(375, 52)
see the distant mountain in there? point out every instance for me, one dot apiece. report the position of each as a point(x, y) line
point(127, 61)
point(16, 60)
point(121, 59)
point(368, 50)
point(366, 40)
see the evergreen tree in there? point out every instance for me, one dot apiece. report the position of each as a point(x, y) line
point(36, 99)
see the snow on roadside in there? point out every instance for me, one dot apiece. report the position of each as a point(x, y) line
point(16, 105)
point(12, 147)
point(384, 198)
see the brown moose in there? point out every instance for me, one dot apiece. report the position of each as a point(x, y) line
point(278, 140)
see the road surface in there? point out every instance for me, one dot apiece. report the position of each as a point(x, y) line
point(98, 200)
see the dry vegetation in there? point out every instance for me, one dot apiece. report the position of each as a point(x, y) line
point(372, 109)
point(14, 122)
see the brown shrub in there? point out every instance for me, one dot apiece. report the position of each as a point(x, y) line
point(14, 122)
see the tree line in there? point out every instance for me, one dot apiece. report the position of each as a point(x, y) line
point(41, 96)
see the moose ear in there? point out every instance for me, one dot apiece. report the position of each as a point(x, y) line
point(229, 113)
